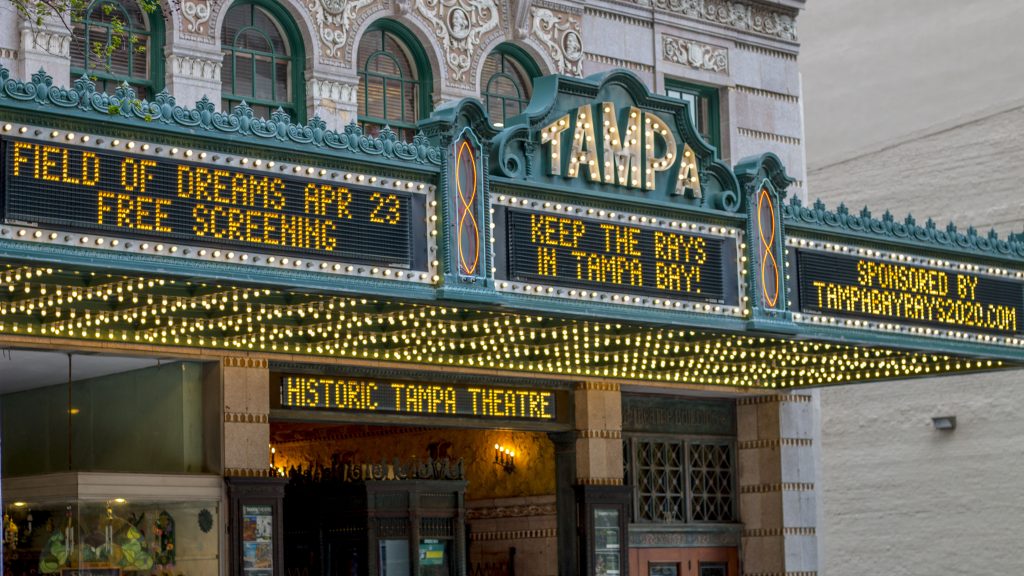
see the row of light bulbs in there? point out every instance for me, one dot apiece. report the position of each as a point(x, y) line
point(122, 309)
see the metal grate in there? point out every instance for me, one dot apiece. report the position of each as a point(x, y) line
point(711, 492)
point(677, 481)
point(660, 477)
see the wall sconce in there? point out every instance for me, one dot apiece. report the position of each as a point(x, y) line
point(505, 458)
point(944, 422)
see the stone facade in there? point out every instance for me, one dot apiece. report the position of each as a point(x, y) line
point(747, 51)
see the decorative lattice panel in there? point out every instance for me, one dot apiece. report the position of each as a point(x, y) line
point(711, 483)
point(660, 481)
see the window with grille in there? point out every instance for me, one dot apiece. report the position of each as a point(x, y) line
point(260, 63)
point(115, 42)
point(703, 102)
point(506, 87)
point(677, 480)
point(389, 84)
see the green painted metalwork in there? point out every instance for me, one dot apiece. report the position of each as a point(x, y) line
point(512, 163)
point(518, 155)
point(908, 234)
point(83, 103)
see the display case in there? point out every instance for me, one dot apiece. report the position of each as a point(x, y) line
point(128, 530)
point(603, 515)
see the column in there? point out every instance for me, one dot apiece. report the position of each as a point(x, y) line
point(252, 488)
point(246, 383)
point(602, 502)
point(776, 437)
point(598, 434)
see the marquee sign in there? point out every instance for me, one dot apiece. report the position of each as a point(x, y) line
point(626, 148)
point(633, 259)
point(934, 295)
point(173, 195)
point(408, 397)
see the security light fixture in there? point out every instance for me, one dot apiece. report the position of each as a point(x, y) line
point(944, 422)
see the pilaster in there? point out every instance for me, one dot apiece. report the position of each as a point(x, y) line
point(246, 385)
point(193, 72)
point(333, 99)
point(598, 434)
point(47, 47)
point(776, 438)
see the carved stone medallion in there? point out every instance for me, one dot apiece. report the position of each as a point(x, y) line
point(460, 26)
point(560, 35)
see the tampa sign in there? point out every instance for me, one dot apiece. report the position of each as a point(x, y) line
point(599, 148)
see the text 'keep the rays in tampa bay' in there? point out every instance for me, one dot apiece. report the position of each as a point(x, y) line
point(595, 254)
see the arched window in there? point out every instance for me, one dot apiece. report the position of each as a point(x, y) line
point(507, 82)
point(116, 42)
point(394, 80)
point(263, 59)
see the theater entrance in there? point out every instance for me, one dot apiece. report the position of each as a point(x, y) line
point(394, 477)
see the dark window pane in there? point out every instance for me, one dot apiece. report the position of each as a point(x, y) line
point(227, 74)
point(264, 79)
point(389, 91)
point(282, 76)
point(243, 75)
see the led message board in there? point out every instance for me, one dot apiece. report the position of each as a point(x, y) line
point(893, 291)
point(156, 196)
point(424, 399)
point(619, 257)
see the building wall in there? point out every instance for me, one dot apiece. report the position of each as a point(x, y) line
point(931, 124)
point(748, 52)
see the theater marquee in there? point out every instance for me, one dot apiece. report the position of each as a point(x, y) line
point(599, 255)
point(207, 199)
point(871, 289)
point(377, 396)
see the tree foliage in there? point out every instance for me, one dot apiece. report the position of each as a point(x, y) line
point(70, 12)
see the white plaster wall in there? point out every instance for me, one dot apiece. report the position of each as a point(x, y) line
point(879, 70)
point(902, 498)
point(918, 107)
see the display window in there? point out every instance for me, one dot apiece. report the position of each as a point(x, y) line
point(111, 538)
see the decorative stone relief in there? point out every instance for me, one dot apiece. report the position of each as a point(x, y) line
point(459, 25)
point(333, 90)
point(560, 34)
point(53, 43)
point(735, 15)
point(196, 16)
point(334, 20)
point(194, 68)
point(695, 54)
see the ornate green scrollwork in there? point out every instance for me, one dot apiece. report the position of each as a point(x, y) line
point(887, 228)
point(40, 92)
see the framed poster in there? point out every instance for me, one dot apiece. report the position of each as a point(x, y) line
point(258, 539)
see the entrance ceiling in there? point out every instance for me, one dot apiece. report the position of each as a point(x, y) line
point(65, 303)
